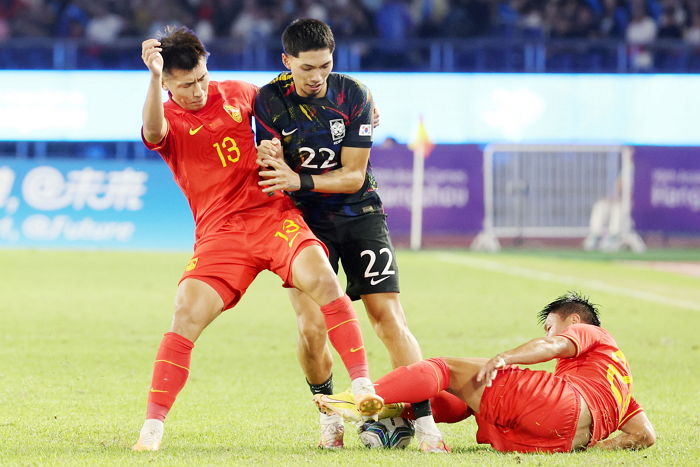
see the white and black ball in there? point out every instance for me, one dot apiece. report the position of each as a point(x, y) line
point(390, 433)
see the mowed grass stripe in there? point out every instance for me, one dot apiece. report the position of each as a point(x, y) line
point(567, 280)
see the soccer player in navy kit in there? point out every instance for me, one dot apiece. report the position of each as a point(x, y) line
point(314, 130)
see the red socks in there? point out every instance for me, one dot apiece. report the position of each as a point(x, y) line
point(424, 380)
point(414, 383)
point(170, 371)
point(345, 335)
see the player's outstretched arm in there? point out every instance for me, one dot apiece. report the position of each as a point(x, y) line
point(637, 433)
point(541, 349)
point(155, 125)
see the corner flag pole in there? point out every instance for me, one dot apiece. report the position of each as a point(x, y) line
point(417, 198)
point(421, 146)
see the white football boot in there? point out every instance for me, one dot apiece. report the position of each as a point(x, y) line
point(150, 436)
point(332, 431)
point(429, 437)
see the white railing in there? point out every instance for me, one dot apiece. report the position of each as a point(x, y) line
point(558, 191)
point(488, 54)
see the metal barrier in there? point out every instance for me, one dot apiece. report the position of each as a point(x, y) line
point(558, 191)
point(491, 54)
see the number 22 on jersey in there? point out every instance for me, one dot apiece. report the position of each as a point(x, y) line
point(309, 160)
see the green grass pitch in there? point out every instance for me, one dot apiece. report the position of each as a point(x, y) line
point(79, 331)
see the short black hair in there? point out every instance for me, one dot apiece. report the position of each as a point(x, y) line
point(304, 34)
point(182, 49)
point(570, 303)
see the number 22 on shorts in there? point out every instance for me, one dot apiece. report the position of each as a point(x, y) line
point(386, 272)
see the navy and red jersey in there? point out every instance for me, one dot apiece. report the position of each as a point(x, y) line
point(600, 372)
point(212, 155)
point(313, 132)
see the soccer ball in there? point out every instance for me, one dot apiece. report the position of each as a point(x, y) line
point(394, 433)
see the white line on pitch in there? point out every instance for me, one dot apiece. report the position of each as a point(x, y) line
point(519, 271)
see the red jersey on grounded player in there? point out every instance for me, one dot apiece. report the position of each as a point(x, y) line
point(600, 372)
point(224, 179)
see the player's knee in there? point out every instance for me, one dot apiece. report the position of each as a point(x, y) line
point(312, 332)
point(313, 338)
point(443, 366)
point(325, 288)
point(392, 330)
point(196, 305)
point(390, 324)
point(184, 315)
point(190, 318)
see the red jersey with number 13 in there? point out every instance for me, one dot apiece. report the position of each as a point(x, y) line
point(601, 374)
point(212, 154)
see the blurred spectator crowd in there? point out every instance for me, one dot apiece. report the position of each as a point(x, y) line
point(103, 21)
point(393, 24)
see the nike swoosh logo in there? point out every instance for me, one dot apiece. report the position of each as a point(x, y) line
point(287, 133)
point(353, 349)
point(194, 131)
point(374, 281)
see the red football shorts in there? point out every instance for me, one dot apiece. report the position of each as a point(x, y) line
point(265, 238)
point(528, 411)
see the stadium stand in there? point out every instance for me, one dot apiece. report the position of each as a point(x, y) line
point(391, 35)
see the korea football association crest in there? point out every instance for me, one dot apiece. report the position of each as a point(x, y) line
point(234, 112)
point(337, 130)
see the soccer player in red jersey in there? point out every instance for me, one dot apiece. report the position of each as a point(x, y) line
point(585, 400)
point(204, 134)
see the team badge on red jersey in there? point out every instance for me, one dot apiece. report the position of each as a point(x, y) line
point(337, 130)
point(191, 264)
point(234, 112)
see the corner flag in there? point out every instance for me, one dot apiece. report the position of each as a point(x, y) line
point(421, 143)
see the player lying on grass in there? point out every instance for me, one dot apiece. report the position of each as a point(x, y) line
point(203, 132)
point(585, 400)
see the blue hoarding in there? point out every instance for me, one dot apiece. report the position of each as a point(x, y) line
point(98, 204)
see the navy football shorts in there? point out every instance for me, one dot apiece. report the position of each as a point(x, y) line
point(363, 246)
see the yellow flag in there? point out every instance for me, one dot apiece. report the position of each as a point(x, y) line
point(422, 142)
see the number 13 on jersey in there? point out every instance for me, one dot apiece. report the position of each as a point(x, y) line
point(229, 146)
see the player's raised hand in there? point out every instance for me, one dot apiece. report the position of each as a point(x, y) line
point(488, 372)
point(150, 53)
point(269, 148)
point(277, 176)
